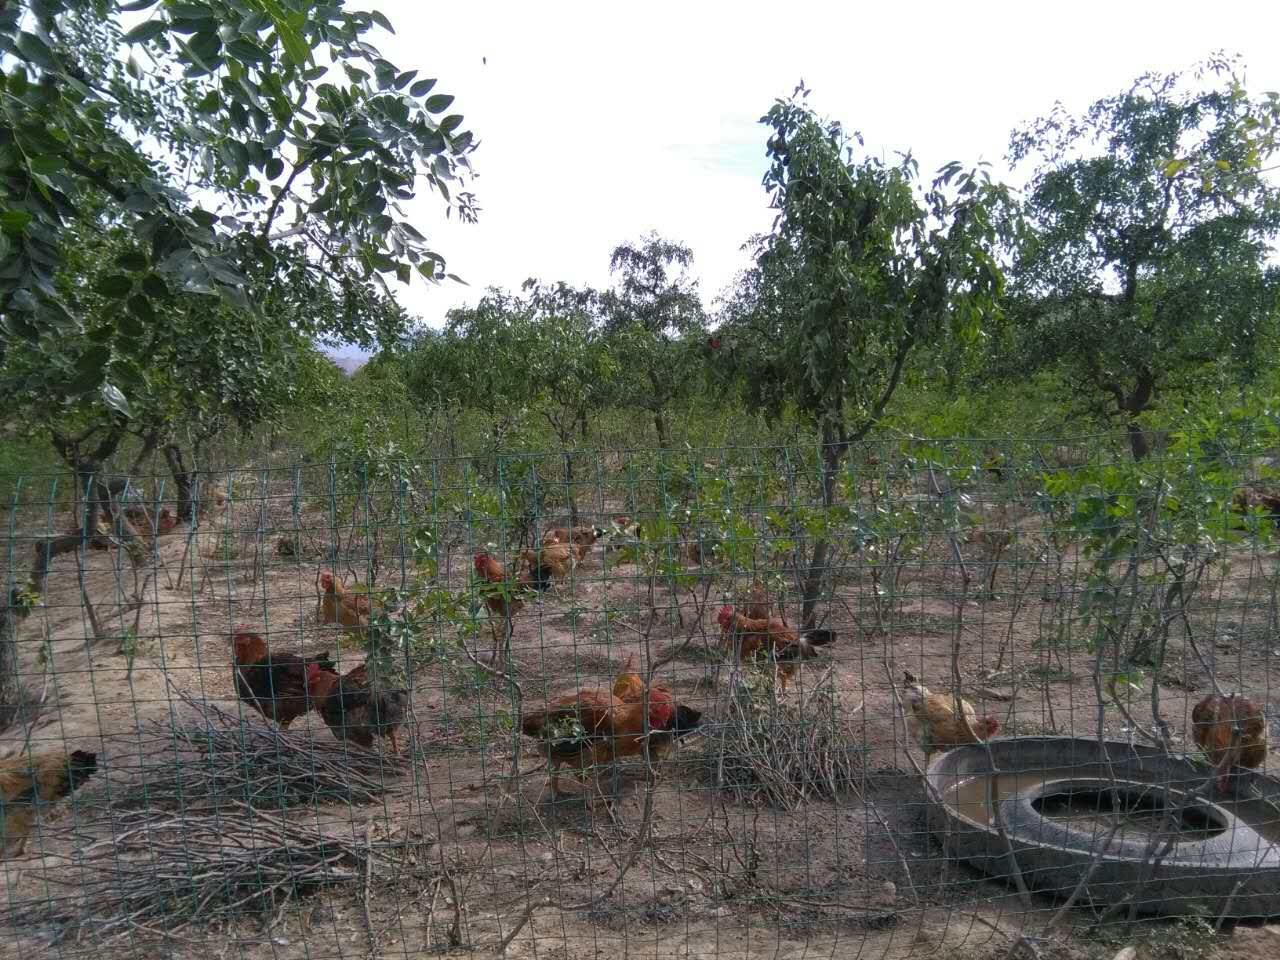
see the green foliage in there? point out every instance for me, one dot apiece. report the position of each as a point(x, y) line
point(1153, 219)
point(656, 324)
point(859, 269)
point(125, 297)
point(1151, 530)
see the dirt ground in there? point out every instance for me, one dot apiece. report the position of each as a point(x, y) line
point(861, 877)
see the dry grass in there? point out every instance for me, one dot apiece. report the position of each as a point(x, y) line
point(161, 874)
point(218, 757)
point(782, 753)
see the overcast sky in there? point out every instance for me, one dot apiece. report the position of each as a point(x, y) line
point(599, 122)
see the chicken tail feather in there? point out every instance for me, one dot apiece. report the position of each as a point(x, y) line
point(81, 766)
point(821, 637)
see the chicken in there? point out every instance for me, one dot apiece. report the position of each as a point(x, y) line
point(275, 684)
point(745, 637)
point(1250, 498)
point(357, 709)
point(757, 606)
point(165, 523)
point(1232, 731)
point(623, 533)
point(508, 601)
point(352, 610)
point(628, 686)
point(28, 782)
point(624, 526)
point(595, 727)
point(553, 560)
point(932, 720)
point(582, 538)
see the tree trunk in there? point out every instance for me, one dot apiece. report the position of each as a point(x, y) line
point(833, 449)
point(21, 602)
point(568, 486)
point(660, 425)
point(92, 493)
point(1134, 404)
point(182, 480)
point(1139, 445)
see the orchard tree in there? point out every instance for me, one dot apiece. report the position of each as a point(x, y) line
point(211, 133)
point(223, 144)
point(489, 342)
point(1154, 222)
point(656, 324)
point(863, 266)
point(569, 365)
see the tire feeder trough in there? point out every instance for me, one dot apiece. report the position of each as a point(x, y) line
point(1160, 840)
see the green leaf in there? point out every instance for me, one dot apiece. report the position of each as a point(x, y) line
point(296, 49)
point(91, 368)
point(148, 30)
point(132, 260)
point(36, 51)
point(115, 285)
point(422, 88)
point(47, 164)
point(153, 286)
point(1174, 167)
point(14, 222)
point(141, 308)
point(439, 103)
point(115, 400)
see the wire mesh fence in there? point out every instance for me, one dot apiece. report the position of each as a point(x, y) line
point(977, 696)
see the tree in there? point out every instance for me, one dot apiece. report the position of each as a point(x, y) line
point(231, 137)
point(569, 366)
point(191, 165)
point(1153, 222)
point(861, 268)
point(489, 342)
point(569, 362)
point(654, 316)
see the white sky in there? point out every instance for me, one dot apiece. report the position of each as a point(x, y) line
point(598, 122)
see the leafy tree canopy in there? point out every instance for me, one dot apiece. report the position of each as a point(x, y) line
point(1153, 221)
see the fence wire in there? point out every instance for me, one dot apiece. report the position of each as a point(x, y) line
point(718, 702)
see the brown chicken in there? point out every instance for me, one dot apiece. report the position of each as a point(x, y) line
point(628, 686)
point(275, 684)
point(28, 783)
point(623, 533)
point(352, 610)
point(581, 538)
point(553, 560)
point(507, 601)
point(166, 522)
point(781, 646)
point(358, 710)
point(595, 727)
point(932, 720)
point(1232, 732)
point(758, 606)
point(1255, 498)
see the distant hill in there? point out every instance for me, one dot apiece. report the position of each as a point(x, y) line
point(348, 361)
point(349, 365)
